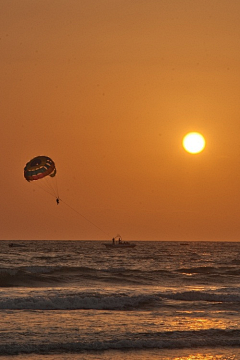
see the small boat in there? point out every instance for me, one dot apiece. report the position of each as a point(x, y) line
point(16, 245)
point(118, 243)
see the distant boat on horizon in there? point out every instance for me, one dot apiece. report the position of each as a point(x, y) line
point(16, 245)
point(117, 242)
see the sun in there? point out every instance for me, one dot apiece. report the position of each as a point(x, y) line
point(193, 142)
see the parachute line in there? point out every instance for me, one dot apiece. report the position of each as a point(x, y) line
point(48, 191)
point(84, 217)
point(42, 169)
point(76, 211)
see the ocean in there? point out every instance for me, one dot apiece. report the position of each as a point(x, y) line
point(80, 300)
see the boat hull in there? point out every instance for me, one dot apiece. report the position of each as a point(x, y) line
point(119, 246)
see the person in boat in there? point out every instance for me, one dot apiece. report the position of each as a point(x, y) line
point(113, 241)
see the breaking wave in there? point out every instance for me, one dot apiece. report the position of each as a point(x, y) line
point(134, 341)
point(55, 300)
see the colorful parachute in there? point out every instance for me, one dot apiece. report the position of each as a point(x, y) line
point(43, 168)
point(39, 167)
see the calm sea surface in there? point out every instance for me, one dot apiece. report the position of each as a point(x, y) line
point(80, 300)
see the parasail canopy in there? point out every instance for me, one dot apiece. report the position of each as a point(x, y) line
point(39, 167)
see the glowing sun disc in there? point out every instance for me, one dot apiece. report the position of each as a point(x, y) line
point(193, 142)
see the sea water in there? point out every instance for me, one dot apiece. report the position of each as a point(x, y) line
point(80, 300)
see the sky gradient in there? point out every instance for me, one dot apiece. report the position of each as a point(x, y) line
point(108, 89)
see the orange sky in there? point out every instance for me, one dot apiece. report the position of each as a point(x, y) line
point(108, 89)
